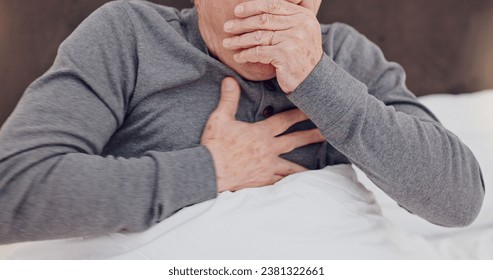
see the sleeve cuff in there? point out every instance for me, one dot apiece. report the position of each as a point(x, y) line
point(185, 177)
point(327, 94)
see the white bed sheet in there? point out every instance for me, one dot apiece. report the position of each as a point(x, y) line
point(323, 214)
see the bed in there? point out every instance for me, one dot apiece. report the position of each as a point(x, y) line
point(333, 213)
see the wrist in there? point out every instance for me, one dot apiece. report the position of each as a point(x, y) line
point(293, 81)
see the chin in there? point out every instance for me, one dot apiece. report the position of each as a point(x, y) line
point(256, 71)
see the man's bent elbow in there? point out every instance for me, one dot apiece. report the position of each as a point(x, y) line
point(462, 210)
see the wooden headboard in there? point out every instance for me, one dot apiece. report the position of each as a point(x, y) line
point(444, 45)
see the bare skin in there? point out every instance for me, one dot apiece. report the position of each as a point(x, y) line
point(267, 39)
point(278, 33)
point(247, 154)
point(296, 49)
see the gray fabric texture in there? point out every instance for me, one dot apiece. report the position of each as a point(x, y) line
point(108, 140)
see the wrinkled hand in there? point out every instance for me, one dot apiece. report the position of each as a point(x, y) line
point(247, 154)
point(283, 33)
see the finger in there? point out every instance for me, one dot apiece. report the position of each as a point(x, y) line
point(294, 140)
point(258, 54)
point(276, 179)
point(275, 7)
point(313, 6)
point(296, 2)
point(250, 40)
point(259, 22)
point(285, 167)
point(310, 5)
point(230, 97)
point(279, 123)
point(262, 183)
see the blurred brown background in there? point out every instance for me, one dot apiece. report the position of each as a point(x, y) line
point(445, 45)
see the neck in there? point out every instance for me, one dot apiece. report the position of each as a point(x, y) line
point(206, 29)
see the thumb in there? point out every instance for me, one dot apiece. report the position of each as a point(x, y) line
point(230, 97)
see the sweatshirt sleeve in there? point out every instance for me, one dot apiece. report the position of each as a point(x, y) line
point(361, 104)
point(54, 183)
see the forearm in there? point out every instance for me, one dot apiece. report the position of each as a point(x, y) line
point(54, 182)
point(416, 161)
point(49, 195)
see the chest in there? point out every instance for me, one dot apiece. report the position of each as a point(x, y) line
point(173, 118)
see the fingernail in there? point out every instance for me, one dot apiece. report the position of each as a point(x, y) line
point(239, 9)
point(226, 42)
point(228, 25)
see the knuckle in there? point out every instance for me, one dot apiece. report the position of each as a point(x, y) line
point(274, 6)
point(221, 116)
point(228, 99)
point(242, 54)
point(258, 51)
point(263, 20)
point(241, 22)
point(261, 52)
point(216, 116)
point(258, 36)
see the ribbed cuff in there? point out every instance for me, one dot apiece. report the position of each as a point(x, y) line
point(327, 94)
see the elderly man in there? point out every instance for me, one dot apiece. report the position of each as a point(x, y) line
point(141, 115)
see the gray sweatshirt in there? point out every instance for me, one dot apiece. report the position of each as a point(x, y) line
point(108, 140)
